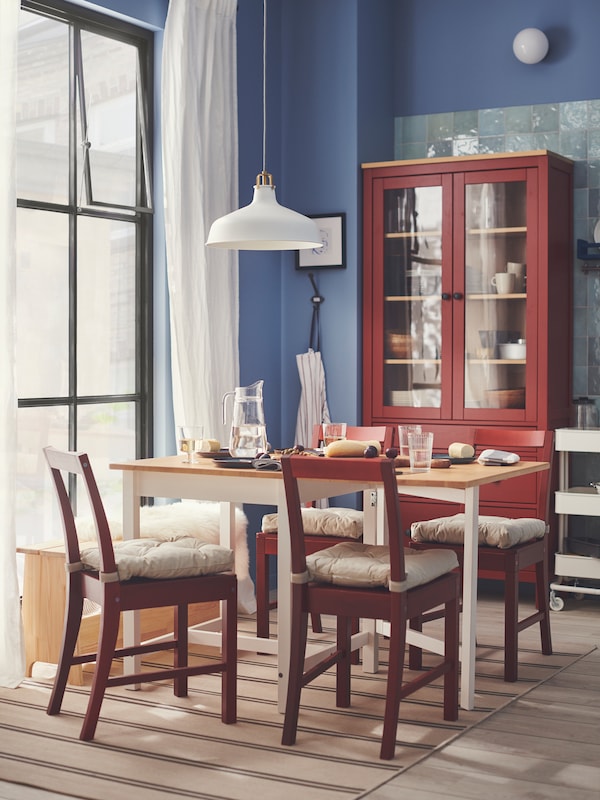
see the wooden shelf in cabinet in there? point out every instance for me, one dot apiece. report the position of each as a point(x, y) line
point(412, 235)
point(496, 361)
point(412, 361)
point(406, 298)
point(495, 231)
point(494, 296)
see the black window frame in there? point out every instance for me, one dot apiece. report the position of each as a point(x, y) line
point(141, 214)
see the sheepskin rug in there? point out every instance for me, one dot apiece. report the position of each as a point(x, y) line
point(188, 518)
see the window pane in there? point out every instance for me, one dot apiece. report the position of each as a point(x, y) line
point(106, 432)
point(42, 304)
point(109, 75)
point(106, 307)
point(37, 511)
point(42, 109)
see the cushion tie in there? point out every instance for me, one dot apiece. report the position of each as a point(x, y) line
point(300, 577)
point(109, 577)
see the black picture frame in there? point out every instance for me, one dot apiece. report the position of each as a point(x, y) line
point(332, 255)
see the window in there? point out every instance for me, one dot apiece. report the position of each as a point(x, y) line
point(84, 259)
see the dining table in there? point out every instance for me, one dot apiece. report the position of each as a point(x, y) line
point(173, 478)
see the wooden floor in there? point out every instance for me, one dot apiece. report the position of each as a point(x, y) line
point(545, 745)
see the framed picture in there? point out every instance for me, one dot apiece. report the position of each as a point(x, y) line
point(332, 253)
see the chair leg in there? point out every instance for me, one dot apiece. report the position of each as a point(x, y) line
point(511, 621)
point(73, 614)
point(451, 654)
point(109, 629)
point(262, 590)
point(397, 645)
point(344, 646)
point(229, 657)
point(542, 593)
point(315, 623)
point(415, 654)
point(180, 655)
point(299, 633)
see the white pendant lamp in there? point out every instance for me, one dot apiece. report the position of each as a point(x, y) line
point(264, 224)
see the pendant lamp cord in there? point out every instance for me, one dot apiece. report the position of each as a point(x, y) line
point(264, 98)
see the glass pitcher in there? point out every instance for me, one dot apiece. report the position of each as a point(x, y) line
point(248, 437)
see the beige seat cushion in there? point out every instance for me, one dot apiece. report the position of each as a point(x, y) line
point(368, 565)
point(501, 532)
point(347, 522)
point(152, 558)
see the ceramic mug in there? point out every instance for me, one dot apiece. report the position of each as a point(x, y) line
point(518, 270)
point(504, 282)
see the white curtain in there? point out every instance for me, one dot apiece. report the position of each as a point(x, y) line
point(200, 162)
point(12, 661)
point(200, 147)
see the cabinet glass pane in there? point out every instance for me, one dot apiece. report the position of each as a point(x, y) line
point(496, 295)
point(412, 286)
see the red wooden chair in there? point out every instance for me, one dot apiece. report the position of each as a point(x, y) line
point(505, 561)
point(133, 575)
point(341, 581)
point(266, 541)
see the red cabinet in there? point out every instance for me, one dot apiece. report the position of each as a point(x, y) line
point(467, 296)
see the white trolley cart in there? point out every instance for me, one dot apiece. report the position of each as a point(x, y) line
point(571, 568)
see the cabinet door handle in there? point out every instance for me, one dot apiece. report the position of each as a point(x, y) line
point(457, 296)
point(446, 296)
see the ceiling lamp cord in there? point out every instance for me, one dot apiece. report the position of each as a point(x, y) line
point(264, 224)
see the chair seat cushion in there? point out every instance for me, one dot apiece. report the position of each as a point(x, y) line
point(346, 522)
point(368, 565)
point(153, 558)
point(501, 532)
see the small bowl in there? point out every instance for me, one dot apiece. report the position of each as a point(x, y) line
point(512, 350)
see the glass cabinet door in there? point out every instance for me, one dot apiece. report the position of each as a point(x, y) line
point(412, 279)
point(495, 292)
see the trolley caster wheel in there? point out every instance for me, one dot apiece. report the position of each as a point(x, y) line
point(579, 595)
point(556, 602)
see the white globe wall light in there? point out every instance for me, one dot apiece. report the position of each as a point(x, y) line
point(530, 45)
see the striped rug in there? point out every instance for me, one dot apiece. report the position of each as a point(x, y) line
point(150, 744)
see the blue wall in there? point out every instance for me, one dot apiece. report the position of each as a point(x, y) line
point(441, 56)
point(453, 56)
point(339, 73)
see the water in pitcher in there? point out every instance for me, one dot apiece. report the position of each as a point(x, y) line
point(248, 441)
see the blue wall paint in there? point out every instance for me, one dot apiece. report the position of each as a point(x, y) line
point(339, 72)
point(453, 56)
point(332, 55)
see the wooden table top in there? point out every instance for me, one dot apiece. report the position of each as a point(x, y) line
point(458, 476)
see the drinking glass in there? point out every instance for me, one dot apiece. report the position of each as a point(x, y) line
point(333, 432)
point(190, 442)
point(403, 431)
point(420, 446)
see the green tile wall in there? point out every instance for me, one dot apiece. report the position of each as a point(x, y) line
point(571, 129)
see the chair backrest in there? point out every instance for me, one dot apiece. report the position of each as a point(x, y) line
point(520, 441)
point(300, 471)
point(360, 433)
point(63, 463)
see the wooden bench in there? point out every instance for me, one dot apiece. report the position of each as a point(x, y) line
point(43, 609)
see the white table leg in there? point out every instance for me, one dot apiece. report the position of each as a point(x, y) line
point(284, 598)
point(131, 530)
point(375, 532)
point(469, 599)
